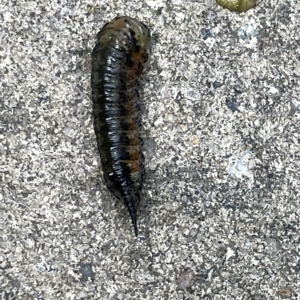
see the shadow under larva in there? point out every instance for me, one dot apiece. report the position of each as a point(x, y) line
point(118, 59)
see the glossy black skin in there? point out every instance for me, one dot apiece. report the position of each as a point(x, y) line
point(116, 65)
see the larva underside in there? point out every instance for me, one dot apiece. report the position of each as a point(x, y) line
point(118, 59)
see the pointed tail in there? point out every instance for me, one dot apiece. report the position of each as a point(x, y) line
point(132, 203)
point(134, 223)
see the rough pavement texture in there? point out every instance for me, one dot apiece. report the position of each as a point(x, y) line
point(221, 96)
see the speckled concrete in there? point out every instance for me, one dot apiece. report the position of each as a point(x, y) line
point(221, 98)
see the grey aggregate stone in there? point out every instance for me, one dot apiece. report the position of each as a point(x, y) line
point(220, 211)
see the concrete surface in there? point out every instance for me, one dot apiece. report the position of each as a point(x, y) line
point(220, 217)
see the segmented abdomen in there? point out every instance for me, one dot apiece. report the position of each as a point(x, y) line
point(117, 61)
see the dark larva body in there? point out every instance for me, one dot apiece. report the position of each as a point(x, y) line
point(117, 61)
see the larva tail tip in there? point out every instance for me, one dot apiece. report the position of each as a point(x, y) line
point(134, 223)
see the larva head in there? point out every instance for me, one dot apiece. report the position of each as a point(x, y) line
point(133, 29)
point(133, 38)
point(141, 32)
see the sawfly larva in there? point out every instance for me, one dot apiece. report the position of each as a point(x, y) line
point(118, 59)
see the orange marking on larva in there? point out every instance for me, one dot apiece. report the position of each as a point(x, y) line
point(130, 107)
